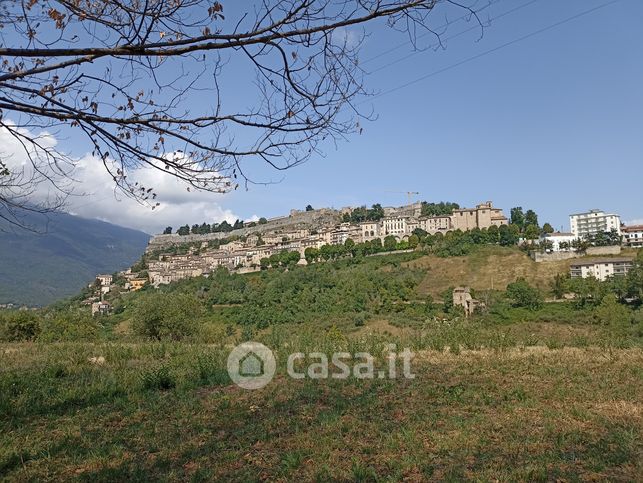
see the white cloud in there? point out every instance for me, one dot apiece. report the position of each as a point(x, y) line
point(100, 200)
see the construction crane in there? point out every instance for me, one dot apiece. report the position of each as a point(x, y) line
point(408, 193)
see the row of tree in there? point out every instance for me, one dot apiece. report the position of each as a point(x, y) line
point(362, 214)
point(223, 227)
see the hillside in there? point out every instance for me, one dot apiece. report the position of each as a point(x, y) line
point(486, 268)
point(38, 269)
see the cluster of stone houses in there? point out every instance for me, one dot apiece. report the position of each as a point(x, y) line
point(244, 256)
point(103, 284)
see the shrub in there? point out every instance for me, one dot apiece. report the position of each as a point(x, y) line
point(359, 319)
point(162, 316)
point(610, 312)
point(159, 378)
point(19, 326)
point(69, 325)
point(524, 295)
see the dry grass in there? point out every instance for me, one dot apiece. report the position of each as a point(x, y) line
point(521, 414)
point(487, 268)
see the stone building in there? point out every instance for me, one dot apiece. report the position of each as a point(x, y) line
point(482, 216)
point(435, 224)
point(462, 298)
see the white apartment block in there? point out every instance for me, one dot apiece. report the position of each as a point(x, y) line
point(633, 236)
point(557, 238)
point(593, 222)
point(600, 268)
point(395, 225)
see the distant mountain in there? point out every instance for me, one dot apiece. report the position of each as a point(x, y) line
point(37, 269)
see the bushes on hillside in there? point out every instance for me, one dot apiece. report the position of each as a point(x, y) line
point(524, 295)
point(17, 326)
point(68, 325)
point(610, 312)
point(52, 326)
point(166, 316)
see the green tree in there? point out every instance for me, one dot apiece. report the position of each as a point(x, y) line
point(375, 213)
point(262, 221)
point(309, 208)
point(610, 312)
point(547, 228)
point(447, 300)
point(532, 232)
point(20, 325)
point(390, 243)
point(524, 295)
point(493, 235)
point(438, 209)
point(509, 234)
point(167, 231)
point(531, 218)
point(326, 252)
point(517, 217)
point(166, 316)
point(559, 285)
point(414, 241)
point(311, 254)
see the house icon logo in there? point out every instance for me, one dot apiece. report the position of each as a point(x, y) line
point(251, 365)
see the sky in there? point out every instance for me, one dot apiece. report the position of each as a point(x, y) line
point(541, 112)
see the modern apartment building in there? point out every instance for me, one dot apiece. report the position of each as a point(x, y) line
point(600, 268)
point(633, 236)
point(593, 222)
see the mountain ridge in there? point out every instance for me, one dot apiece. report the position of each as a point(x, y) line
point(37, 269)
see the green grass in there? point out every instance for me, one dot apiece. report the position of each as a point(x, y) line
point(492, 409)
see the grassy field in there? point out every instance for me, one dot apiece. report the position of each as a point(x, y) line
point(533, 401)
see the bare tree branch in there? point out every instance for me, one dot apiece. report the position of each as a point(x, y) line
point(145, 84)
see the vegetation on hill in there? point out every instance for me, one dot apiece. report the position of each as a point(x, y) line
point(405, 289)
point(154, 373)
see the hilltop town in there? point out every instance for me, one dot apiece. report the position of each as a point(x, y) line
point(244, 249)
point(309, 235)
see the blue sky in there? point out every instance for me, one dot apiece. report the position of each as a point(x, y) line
point(553, 123)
